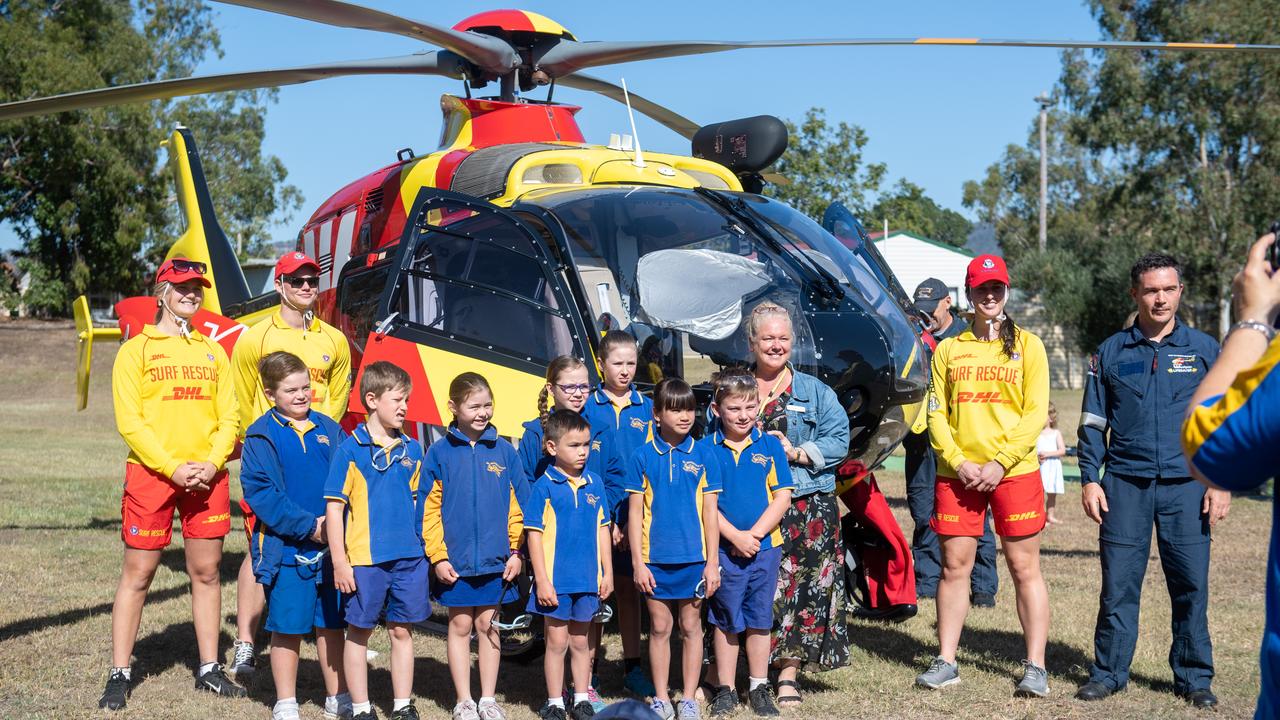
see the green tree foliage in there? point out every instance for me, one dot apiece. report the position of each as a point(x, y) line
point(825, 164)
point(908, 209)
point(86, 191)
point(1168, 151)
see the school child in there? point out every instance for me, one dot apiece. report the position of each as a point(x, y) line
point(756, 492)
point(567, 389)
point(375, 537)
point(283, 467)
point(566, 507)
point(1051, 448)
point(616, 404)
point(472, 526)
point(673, 532)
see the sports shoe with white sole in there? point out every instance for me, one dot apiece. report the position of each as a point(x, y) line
point(663, 709)
point(939, 675)
point(244, 661)
point(1035, 681)
point(217, 682)
point(116, 694)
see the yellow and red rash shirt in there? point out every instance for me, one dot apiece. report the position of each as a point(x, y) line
point(984, 406)
point(324, 350)
point(174, 400)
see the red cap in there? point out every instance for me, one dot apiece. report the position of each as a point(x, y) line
point(985, 268)
point(176, 270)
point(292, 261)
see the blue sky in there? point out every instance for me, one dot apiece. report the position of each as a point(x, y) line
point(936, 115)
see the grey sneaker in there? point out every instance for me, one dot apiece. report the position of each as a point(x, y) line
point(1035, 681)
point(466, 710)
point(939, 675)
point(689, 710)
point(244, 661)
point(663, 709)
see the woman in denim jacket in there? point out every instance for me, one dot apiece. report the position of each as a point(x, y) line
point(809, 607)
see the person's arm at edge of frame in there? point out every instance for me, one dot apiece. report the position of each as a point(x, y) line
point(1091, 439)
point(1243, 366)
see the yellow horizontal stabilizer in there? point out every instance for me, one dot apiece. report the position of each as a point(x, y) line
point(85, 333)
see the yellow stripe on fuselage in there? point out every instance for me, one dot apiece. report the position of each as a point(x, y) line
point(515, 392)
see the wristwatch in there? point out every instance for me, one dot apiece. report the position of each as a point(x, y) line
point(1265, 329)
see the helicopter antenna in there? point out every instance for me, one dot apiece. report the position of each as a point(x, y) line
point(639, 160)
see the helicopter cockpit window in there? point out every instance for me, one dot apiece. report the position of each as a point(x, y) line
point(644, 255)
point(479, 279)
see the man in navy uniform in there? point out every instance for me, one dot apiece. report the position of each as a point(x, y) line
point(1138, 386)
point(934, 299)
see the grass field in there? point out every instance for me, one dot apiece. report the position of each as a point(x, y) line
point(60, 477)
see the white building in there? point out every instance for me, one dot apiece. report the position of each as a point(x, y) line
point(914, 259)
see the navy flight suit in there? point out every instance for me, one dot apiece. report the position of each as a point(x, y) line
point(1139, 391)
point(921, 468)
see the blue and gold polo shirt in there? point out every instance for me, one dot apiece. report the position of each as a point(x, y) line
point(379, 485)
point(632, 423)
point(569, 512)
point(750, 477)
point(673, 481)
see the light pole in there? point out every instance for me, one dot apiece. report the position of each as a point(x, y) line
point(1044, 101)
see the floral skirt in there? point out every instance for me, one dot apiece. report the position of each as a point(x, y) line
point(810, 603)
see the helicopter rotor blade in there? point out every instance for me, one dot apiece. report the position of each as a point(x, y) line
point(490, 53)
point(436, 62)
point(670, 119)
point(569, 56)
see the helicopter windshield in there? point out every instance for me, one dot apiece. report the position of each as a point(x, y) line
point(644, 255)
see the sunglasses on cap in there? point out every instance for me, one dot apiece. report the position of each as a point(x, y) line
point(298, 281)
point(184, 266)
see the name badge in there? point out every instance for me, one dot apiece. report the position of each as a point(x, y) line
point(796, 408)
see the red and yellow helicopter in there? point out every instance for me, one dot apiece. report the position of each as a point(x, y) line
point(517, 241)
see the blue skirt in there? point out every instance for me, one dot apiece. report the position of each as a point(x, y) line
point(473, 591)
point(676, 581)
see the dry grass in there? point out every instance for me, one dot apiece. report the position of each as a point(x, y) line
point(60, 476)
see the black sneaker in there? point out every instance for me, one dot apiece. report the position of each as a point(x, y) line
point(762, 703)
point(367, 715)
point(550, 712)
point(116, 693)
point(982, 600)
point(217, 682)
point(724, 701)
point(408, 712)
point(583, 711)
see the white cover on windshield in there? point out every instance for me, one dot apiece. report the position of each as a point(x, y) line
point(697, 291)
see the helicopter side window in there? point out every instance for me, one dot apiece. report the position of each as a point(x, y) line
point(479, 279)
point(360, 291)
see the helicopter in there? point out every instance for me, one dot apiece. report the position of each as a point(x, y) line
point(516, 241)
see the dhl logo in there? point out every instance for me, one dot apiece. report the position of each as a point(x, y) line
point(760, 459)
point(217, 518)
point(157, 356)
point(188, 393)
point(1031, 515)
point(980, 397)
point(494, 468)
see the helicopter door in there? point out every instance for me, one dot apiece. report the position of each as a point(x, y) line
point(840, 222)
point(474, 278)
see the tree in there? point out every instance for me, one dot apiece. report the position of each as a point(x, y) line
point(1152, 151)
point(908, 209)
point(85, 190)
point(824, 164)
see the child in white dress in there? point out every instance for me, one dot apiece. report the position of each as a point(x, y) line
point(1050, 448)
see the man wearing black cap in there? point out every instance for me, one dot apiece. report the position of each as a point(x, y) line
point(933, 298)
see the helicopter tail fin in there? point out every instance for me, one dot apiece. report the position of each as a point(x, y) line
point(202, 238)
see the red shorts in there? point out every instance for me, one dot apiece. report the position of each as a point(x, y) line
point(150, 499)
point(249, 519)
point(1017, 507)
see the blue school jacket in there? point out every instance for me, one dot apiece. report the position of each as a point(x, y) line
point(604, 460)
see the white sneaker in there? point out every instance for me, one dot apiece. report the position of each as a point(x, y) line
point(490, 711)
point(663, 709)
point(285, 712)
point(466, 710)
point(338, 708)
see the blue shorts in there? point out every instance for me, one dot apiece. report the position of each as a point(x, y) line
point(473, 591)
point(676, 581)
point(302, 597)
point(398, 585)
point(573, 607)
point(745, 598)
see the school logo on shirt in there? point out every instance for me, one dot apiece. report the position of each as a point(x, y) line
point(494, 468)
point(591, 499)
point(322, 439)
point(759, 459)
point(1183, 364)
point(595, 446)
point(692, 467)
point(637, 424)
point(406, 462)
